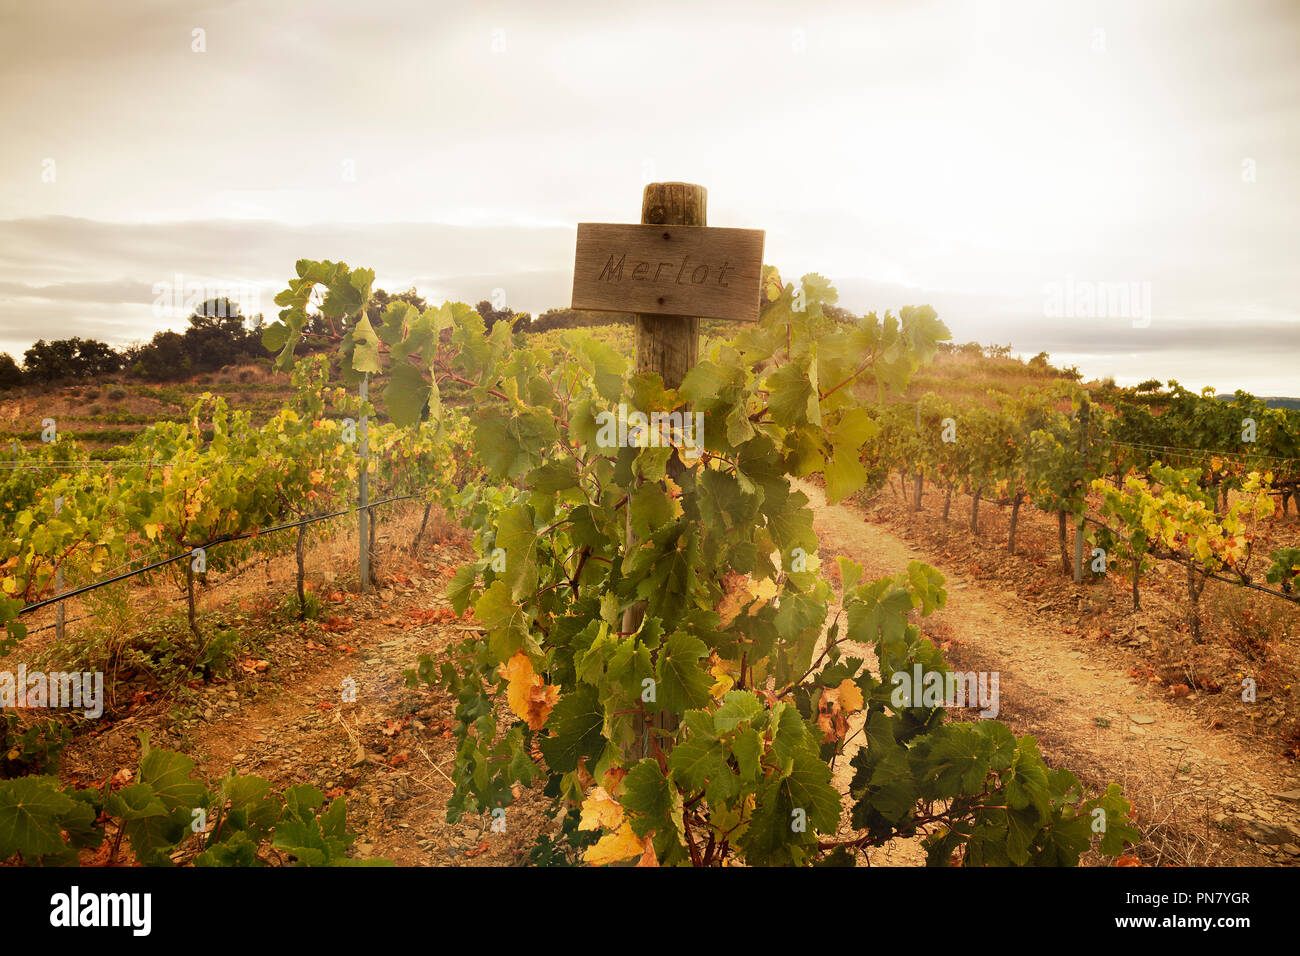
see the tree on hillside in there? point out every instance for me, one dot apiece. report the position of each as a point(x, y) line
point(162, 357)
point(218, 335)
point(73, 358)
point(319, 325)
point(10, 373)
point(572, 319)
point(380, 300)
point(492, 316)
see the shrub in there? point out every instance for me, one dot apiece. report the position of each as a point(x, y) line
point(10, 373)
point(668, 667)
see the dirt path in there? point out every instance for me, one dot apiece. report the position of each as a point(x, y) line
point(1198, 793)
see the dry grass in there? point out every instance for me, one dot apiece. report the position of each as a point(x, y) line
point(1176, 817)
point(962, 374)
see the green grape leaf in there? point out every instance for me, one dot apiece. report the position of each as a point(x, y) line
point(1119, 830)
point(168, 773)
point(575, 727)
point(790, 394)
point(498, 611)
point(647, 794)
point(738, 707)
point(406, 394)
point(461, 587)
point(517, 535)
point(681, 683)
point(31, 809)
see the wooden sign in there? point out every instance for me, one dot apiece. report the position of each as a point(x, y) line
point(668, 270)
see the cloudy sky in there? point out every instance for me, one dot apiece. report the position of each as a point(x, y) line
point(1006, 162)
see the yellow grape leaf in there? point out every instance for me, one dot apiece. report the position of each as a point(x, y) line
point(10, 585)
point(648, 858)
point(724, 675)
point(765, 591)
point(674, 496)
point(835, 703)
point(734, 597)
point(772, 286)
point(600, 811)
point(151, 531)
point(613, 779)
point(850, 696)
point(741, 593)
point(530, 697)
point(613, 847)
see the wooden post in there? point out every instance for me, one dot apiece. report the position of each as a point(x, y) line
point(363, 497)
point(301, 553)
point(189, 591)
point(1060, 542)
point(1078, 527)
point(668, 345)
point(916, 476)
point(58, 585)
point(710, 272)
point(1015, 517)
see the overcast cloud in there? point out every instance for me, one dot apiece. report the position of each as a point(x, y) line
point(961, 154)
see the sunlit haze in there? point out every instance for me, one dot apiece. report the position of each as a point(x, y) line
point(983, 157)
